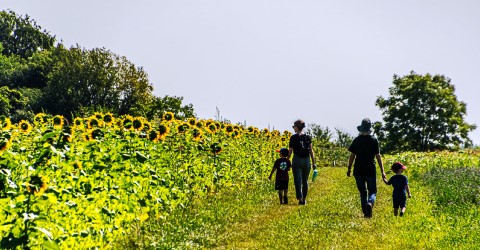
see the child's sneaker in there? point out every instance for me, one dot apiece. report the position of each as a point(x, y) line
point(401, 214)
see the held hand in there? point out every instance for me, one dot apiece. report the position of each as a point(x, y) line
point(349, 172)
point(384, 176)
point(269, 177)
point(409, 196)
point(314, 166)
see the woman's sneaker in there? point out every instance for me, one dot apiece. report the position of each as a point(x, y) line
point(368, 210)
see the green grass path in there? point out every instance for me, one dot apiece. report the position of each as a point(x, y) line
point(332, 219)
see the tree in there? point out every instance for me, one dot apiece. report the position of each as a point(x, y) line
point(343, 139)
point(322, 136)
point(22, 36)
point(97, 79)
point(172, 104)
point(13, 105)
point(422, 114)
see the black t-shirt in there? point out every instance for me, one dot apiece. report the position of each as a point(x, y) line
point(282, 165)
point(398, 182)
point(365, 147)
point(300, 144)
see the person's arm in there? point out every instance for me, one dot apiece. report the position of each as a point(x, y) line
point(385, 180)
point(380, 163)
point(312, 156)
point(271, 173)
point(290, 151)
point(350, 163)
point(408, 191)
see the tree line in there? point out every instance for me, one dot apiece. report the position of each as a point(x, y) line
point(39, 74)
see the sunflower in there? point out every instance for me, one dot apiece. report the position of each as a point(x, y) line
point(5, 123)
point(236, 134)
point(168, 116)
point(86, 136)
point(98, 115)
point(163, 130)
point(200, 124)
point(78, 123)
point(153, 136)
point(182, 127)
point(287, 134)
point(77, 165)
point(216, 148)
point(39, 119)
point(208, 122)
point(229, 129)
point(147, 127)
point(251, 130)
point(58, 121)
point(137, 123)
point(109, 119)
point(37, 185)
point(191, 121)
point(4, 144)
point(96, 134)
point(211, 128)
point(93, 122)
point(197, 134)
point(128, 122)
point(25, 126)
point(275, 132)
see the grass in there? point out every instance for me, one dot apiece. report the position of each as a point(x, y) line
point(332, 219)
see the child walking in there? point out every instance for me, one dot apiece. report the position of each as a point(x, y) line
point(282, 166)
point(400, 188)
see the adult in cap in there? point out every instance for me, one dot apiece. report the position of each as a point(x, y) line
point(364, 150)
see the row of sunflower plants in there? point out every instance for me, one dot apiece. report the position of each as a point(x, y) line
point(82, 184)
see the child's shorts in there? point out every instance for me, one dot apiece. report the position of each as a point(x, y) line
point(281, 184)
point(399, 202)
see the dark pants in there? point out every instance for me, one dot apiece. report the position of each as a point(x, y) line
point(301, 170)
point(367, 186)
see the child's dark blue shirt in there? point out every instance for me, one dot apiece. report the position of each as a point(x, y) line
point(398, 182)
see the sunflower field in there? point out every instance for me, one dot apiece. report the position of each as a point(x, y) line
point(82, 185)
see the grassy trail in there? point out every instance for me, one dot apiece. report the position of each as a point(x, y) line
point(332, 219)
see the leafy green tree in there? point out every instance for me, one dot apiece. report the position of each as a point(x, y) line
point(343, 139)
point(22, 36)
point(321, 135)
point(173, 104)
point(422, 114)
point(14, 105)
point(97, 79)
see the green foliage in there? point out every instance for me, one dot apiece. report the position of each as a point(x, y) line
point(422, 114)
point(97, 79)
point(161, 105)
point(454, 188)
point(22, 36)
point(87, 184)
point(13, 104)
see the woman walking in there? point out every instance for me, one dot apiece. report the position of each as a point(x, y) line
point(364, 150)
point(301, 146)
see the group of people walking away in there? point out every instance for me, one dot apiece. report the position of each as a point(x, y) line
point(364, 150)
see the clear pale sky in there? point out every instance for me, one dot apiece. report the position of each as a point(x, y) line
point(268, 63)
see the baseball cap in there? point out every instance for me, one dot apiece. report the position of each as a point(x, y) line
point(397, 166)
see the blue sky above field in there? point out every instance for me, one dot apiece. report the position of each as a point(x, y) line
point(268, 63)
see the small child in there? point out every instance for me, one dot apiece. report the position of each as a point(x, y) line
point(282, 166)
point(400, 188)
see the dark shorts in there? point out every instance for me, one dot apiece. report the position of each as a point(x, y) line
point(399, 202)
point(281, 184)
